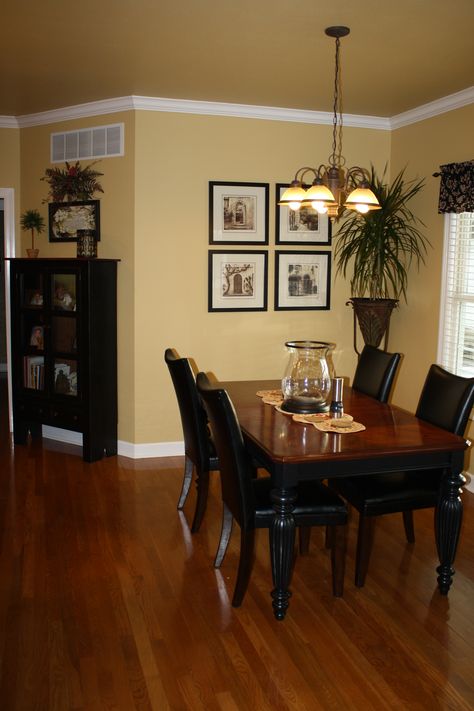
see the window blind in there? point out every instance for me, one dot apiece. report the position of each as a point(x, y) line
point(456, 340)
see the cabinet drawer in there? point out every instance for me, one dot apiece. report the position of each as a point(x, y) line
point(62, 416)
point(35, 411)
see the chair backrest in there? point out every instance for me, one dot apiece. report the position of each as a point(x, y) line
point(193, 415)
point(446, 400)
point(236, 465)
point(375, 372)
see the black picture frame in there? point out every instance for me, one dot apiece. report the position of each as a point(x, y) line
point(249, 202)
point(249, 287)
point(66, 218)
point(290, 228)
point(302, 280)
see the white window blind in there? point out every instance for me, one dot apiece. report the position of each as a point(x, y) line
point(456, 338)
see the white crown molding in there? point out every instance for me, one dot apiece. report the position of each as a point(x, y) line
point(210, 108)
point(93, 108)
point(9, 122)
point(268, 113)
point(207, 108)
point(434, 108)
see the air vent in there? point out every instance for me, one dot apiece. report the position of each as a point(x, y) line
point(97, 142)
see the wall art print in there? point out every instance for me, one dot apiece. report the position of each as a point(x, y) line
point(237, 281)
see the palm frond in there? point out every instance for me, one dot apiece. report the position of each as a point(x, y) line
point(381, 246)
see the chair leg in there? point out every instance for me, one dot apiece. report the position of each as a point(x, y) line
point(329, 537)
point(226, 530)
point(408, 524)
point(364, 546)
point(188, 477)
point(338, 558)
point(202, 485)
point(247, 545)
point(304, 536)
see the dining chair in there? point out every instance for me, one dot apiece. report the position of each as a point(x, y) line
point(246, 499)
point(446, 401)
point(199, 450)
point(375, 372)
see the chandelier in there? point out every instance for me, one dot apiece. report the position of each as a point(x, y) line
point(334, 187)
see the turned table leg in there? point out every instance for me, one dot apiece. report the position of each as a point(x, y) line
point(282, 543)
point(448, 517)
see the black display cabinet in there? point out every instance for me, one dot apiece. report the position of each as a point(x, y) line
point(64, 350)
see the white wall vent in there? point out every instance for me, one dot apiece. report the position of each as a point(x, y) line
point(97, 142)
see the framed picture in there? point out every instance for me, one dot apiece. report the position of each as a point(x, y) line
point(303, 226)
point(302, 280)
point(237, 281)
point(66, 218)
point(238, 213)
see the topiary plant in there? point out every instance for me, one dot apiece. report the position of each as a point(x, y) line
point(32, 220)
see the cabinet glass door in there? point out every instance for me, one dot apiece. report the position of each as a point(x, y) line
point(64, 333)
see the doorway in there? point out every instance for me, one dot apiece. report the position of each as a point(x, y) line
point(7, 247)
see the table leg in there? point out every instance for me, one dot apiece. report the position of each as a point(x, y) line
point(448, 517)
point(282, 545)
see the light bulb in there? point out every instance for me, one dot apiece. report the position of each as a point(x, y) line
point(360, 207)
point(319, 207)
point(294, 205)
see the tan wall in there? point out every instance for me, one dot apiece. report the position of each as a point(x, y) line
point(154, 216)
point(117, 206)
point(176, 156)
point(425, 146)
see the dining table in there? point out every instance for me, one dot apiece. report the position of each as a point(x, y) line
point(393, 440)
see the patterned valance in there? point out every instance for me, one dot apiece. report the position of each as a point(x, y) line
point(456, 192)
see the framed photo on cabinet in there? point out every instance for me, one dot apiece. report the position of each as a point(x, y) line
point(66, 218)
point(302, 280)
point(238, 213)
point(237, 281)
point(303, 226)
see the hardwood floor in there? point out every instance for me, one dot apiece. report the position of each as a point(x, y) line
point(108, 602)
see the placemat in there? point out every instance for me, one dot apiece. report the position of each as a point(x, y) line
point(329, 427)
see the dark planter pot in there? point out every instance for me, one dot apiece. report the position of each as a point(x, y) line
point(373, 317)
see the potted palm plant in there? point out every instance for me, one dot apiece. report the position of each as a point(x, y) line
point(32, 220)
point(379, 247)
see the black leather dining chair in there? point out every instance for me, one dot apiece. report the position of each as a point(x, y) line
point(199, 450)
point(375, 372)
point(446, 401)
point(247, 498)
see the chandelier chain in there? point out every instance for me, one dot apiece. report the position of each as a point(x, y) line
point(336, 156)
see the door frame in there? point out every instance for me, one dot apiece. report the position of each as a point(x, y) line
point(8, 195)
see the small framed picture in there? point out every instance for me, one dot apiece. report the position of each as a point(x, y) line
point(237, 281)
point(37, 337)
point(303, 226)
point(302, 280)
point(238, 213)
point(66, 218)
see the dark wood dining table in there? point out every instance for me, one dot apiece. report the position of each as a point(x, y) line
point(393, 440)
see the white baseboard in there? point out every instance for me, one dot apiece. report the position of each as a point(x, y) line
point(125, 449)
